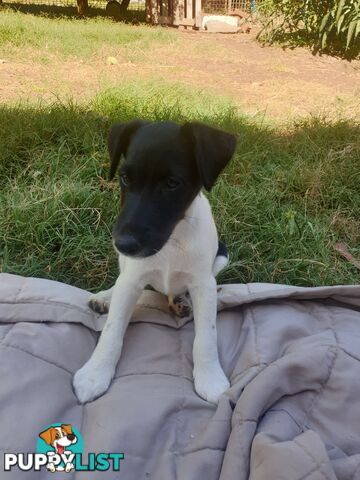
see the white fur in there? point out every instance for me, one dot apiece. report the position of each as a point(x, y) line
point(185, 263)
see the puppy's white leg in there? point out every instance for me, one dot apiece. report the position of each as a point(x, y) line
point(94, 378)
point(100, 302)
point(220, 263)
point(210, 380)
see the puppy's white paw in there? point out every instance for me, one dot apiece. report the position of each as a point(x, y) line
point(210, 383)
point(100, 302)
point(92, 381)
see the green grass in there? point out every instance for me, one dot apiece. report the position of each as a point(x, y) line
point(73, 37)
point(288, 196)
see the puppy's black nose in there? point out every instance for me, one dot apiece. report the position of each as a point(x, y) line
point(127, 244)
point(70, 436)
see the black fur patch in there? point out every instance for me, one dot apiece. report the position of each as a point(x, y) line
point(165, 166)
point(222, 250)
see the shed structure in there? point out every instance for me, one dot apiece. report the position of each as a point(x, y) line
point(189, 13)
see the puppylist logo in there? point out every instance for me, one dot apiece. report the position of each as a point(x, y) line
point(59, 448)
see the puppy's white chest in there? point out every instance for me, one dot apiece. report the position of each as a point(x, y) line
point(185, 259)
point(173, 282)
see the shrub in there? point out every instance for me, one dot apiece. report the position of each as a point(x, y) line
point(331, 26)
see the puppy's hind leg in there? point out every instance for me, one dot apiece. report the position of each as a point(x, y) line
point(180, 305)
point(221, 259)
point(100, 302)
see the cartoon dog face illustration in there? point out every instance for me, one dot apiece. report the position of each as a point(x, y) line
point(59, 437)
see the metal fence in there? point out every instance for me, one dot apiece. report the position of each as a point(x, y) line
point(226, 6)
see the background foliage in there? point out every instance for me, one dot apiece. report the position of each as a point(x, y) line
point(327, 25)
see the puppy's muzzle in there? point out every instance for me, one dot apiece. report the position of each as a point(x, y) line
point(127, 244)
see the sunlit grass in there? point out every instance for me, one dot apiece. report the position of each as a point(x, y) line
point(287, 197)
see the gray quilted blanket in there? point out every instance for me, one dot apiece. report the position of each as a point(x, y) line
point(292, 412)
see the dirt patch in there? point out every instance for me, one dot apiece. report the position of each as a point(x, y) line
point(271, 81)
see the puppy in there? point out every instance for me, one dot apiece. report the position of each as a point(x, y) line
point(165, 237)
point(59, 438)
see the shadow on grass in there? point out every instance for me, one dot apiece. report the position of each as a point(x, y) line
point(302, 38)
point(281, 205)
point(57, 11)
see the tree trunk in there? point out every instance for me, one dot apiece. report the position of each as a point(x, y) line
point(82, 7)
point(124, 5)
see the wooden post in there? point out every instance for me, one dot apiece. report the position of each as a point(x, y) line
point(164, 12)
point(189, 5)
point(148, 8)
point(198, 17)
point(152, 11)
point(179, 11)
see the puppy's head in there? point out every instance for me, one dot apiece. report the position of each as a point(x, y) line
point(165, 166)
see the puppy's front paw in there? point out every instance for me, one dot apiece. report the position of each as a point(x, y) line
point(210, 383)
point(91, 381)
point(99, 302)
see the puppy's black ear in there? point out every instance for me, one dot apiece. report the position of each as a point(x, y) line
point(118, 142)
point(212, 148)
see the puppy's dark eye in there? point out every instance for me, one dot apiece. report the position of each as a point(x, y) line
point(124, 179)
point(172, 183)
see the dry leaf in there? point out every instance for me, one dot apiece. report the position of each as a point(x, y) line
point(344, 252)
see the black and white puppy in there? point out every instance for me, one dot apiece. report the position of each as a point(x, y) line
point(165, 237)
